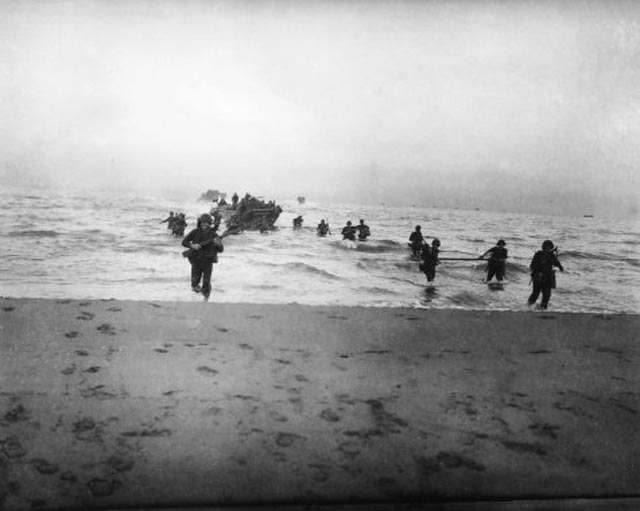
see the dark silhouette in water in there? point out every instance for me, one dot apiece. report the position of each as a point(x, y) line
point(543, 276)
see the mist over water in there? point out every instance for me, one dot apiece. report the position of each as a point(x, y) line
point(92, 246)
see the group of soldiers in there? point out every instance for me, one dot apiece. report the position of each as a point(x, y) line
point(349, 231)
point(542, 265)
point(177, 222)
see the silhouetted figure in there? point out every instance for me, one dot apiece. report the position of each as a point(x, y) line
point(496, 265)
point(543, 276)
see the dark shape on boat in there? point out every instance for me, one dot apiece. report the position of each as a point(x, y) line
point(212, 196)
point(250, 213)
point(301, 199)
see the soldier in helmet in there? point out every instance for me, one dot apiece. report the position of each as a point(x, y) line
point(416, 240)
point(349, 232)
point(497, 261)
point(543, 276)
point(205, 244)
point(430, 259)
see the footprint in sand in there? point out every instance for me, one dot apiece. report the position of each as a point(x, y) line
point(86, 316)
point(349, 449)
point(83, 425)
point(69, 370)
point(44, 467)
point(525, 447)
point(17, 414)
point(7, 309)
point(92, 369)
point(329, 415)
point(151, 433)
point(71, 335)
point(69, 477)
point(82, 353)
point(320, 472)
point(207, 370)
point(13, 448)
point(107, 329)
point(84, 304)
point(286, 439)
point(161, 350)
point(102, 487)
point(446, 460)
point(114, 309)
point(192, 323)
point(119, 464)
point(544, 429)
point(277, 416)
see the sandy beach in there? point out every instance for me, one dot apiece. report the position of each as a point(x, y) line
point(139, 404)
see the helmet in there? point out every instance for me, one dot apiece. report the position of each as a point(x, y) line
point(501, 243)
point(436, 242)
point(418, 227)
point(547, 244)
point(205, 219)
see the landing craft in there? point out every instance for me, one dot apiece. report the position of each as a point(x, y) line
point(251, 213)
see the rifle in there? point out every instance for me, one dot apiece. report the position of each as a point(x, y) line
point(461, 259)
point(228, 232)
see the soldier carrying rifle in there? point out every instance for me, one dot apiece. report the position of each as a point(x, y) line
point(203, 244)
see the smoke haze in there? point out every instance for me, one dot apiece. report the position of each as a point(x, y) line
point(519, 106)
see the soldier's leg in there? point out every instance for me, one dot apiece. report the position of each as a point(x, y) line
point(535, 293)
point(207, 268)
point(546, 294)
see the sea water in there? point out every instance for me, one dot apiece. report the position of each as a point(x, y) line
point(96, 246)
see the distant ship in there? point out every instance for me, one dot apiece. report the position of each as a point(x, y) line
point(301, 199)
point(587, 216)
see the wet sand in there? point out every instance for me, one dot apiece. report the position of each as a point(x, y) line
point(118, 403)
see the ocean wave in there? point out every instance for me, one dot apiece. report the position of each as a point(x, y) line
point(577, 254)
point(265, 287)
point(377, 290)
point(379, 246)
point(345, 244)
point(35, 233)
point(467, 299)
point(517, 267)
point(308, 268)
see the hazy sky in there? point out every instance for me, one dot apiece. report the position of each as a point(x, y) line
point(524, 106)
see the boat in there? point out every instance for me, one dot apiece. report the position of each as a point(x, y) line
point(250, 214)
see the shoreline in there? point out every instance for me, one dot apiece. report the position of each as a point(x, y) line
point(130, 403)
